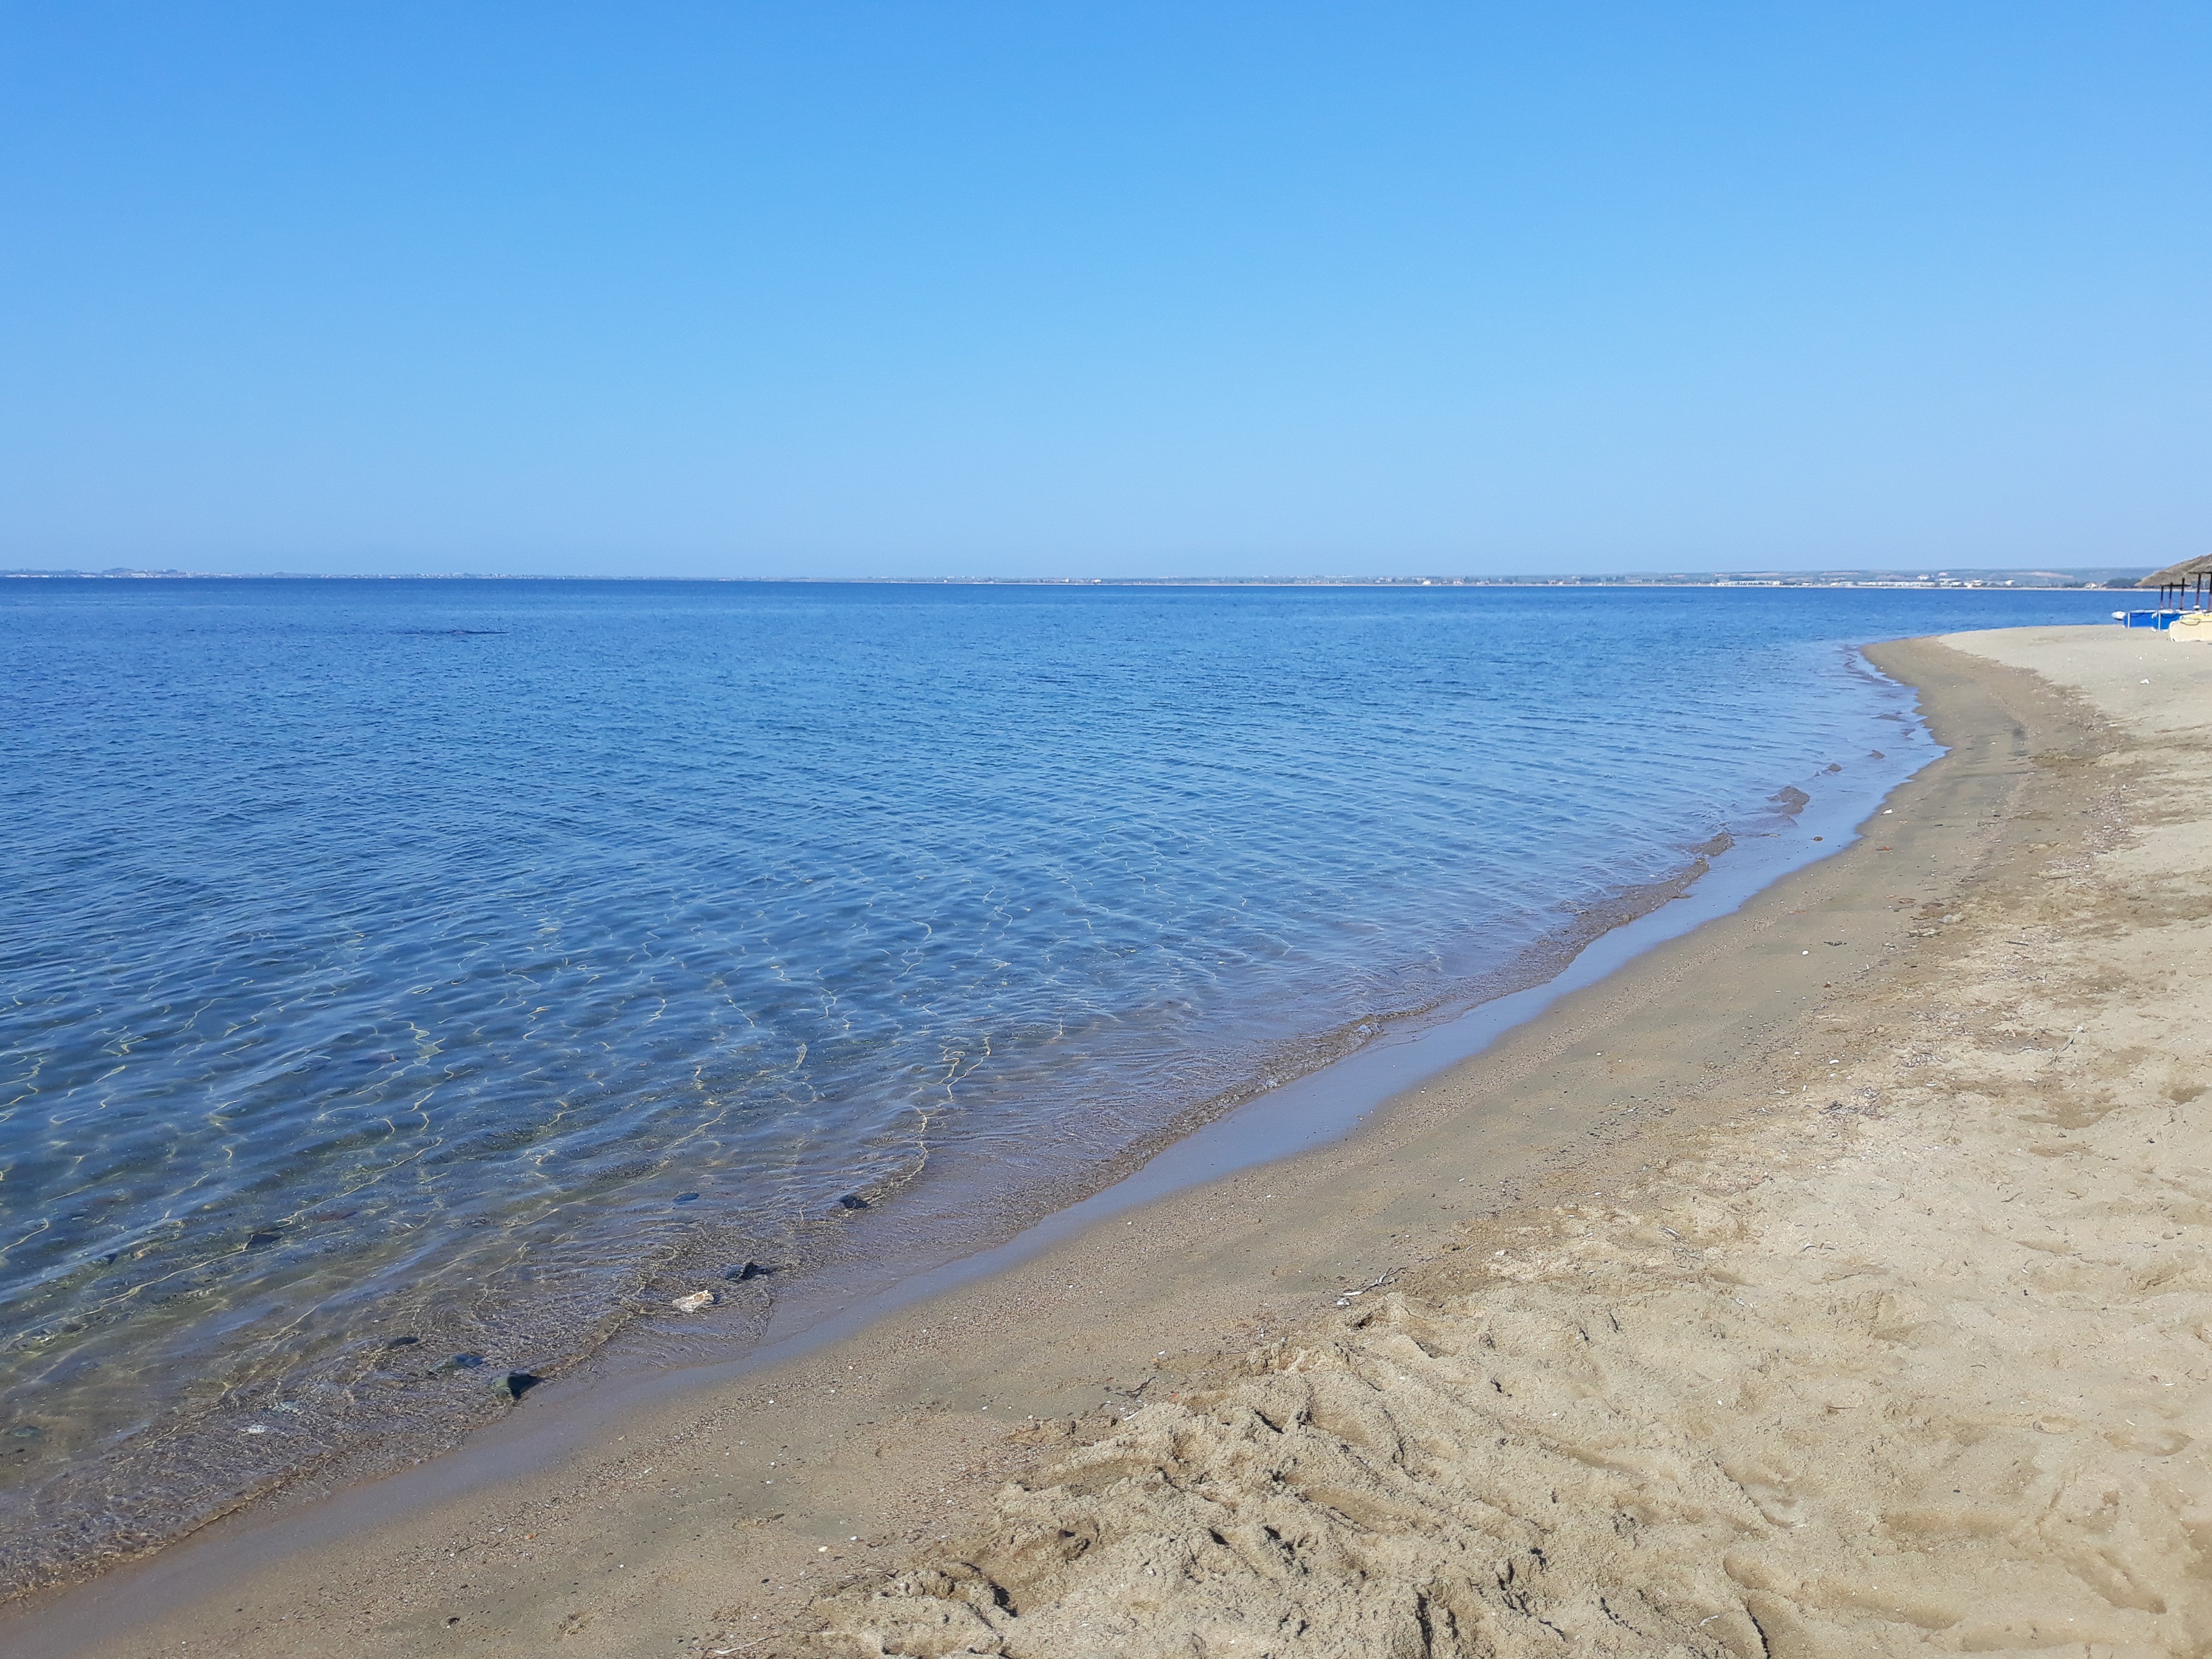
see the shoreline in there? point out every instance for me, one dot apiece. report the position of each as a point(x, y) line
point(1900, 1351)
point(833, 1280)
point(1993, 582)
point(1310, 1109)
point(1199, 1262)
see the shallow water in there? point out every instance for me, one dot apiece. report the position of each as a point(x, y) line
point(409, 983)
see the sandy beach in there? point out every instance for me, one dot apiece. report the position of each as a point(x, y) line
point(1829, 1281)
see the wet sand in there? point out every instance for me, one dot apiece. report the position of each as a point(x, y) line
point(1942, 1295)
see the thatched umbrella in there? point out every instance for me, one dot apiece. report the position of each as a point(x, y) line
point(2180, 579)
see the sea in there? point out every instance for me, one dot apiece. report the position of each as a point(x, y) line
point(408, 989)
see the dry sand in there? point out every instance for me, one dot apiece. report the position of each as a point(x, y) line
point(1827, 1281)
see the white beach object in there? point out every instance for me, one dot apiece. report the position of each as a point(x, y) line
point(693, 1302)
point(2191, 626)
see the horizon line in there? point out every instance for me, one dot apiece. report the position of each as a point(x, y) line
point(2089, 574)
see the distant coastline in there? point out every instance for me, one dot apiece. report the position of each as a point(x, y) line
point(2113, 576)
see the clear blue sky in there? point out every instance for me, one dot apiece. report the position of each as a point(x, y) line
point(824, 288)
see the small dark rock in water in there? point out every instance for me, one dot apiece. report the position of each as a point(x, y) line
point(521, 1383)
point(687, 1198)
point(260, 1237)
point(854, 1201)
point(750, 1270)
point(402, 1342)
point(465, 1362)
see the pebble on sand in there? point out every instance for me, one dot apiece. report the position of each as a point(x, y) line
point(693, 1302)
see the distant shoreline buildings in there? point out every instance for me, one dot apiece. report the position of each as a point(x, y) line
point(2101, 576)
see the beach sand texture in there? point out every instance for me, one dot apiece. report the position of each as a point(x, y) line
point(1830, 1280)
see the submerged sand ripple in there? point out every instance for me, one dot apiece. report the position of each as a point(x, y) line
point(1910, 1358)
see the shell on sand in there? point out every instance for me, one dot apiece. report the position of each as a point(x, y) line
point(693, 1302)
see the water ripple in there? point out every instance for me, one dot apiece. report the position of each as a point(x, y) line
point(402, 974)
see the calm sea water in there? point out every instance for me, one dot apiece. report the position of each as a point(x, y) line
point(407, 984)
